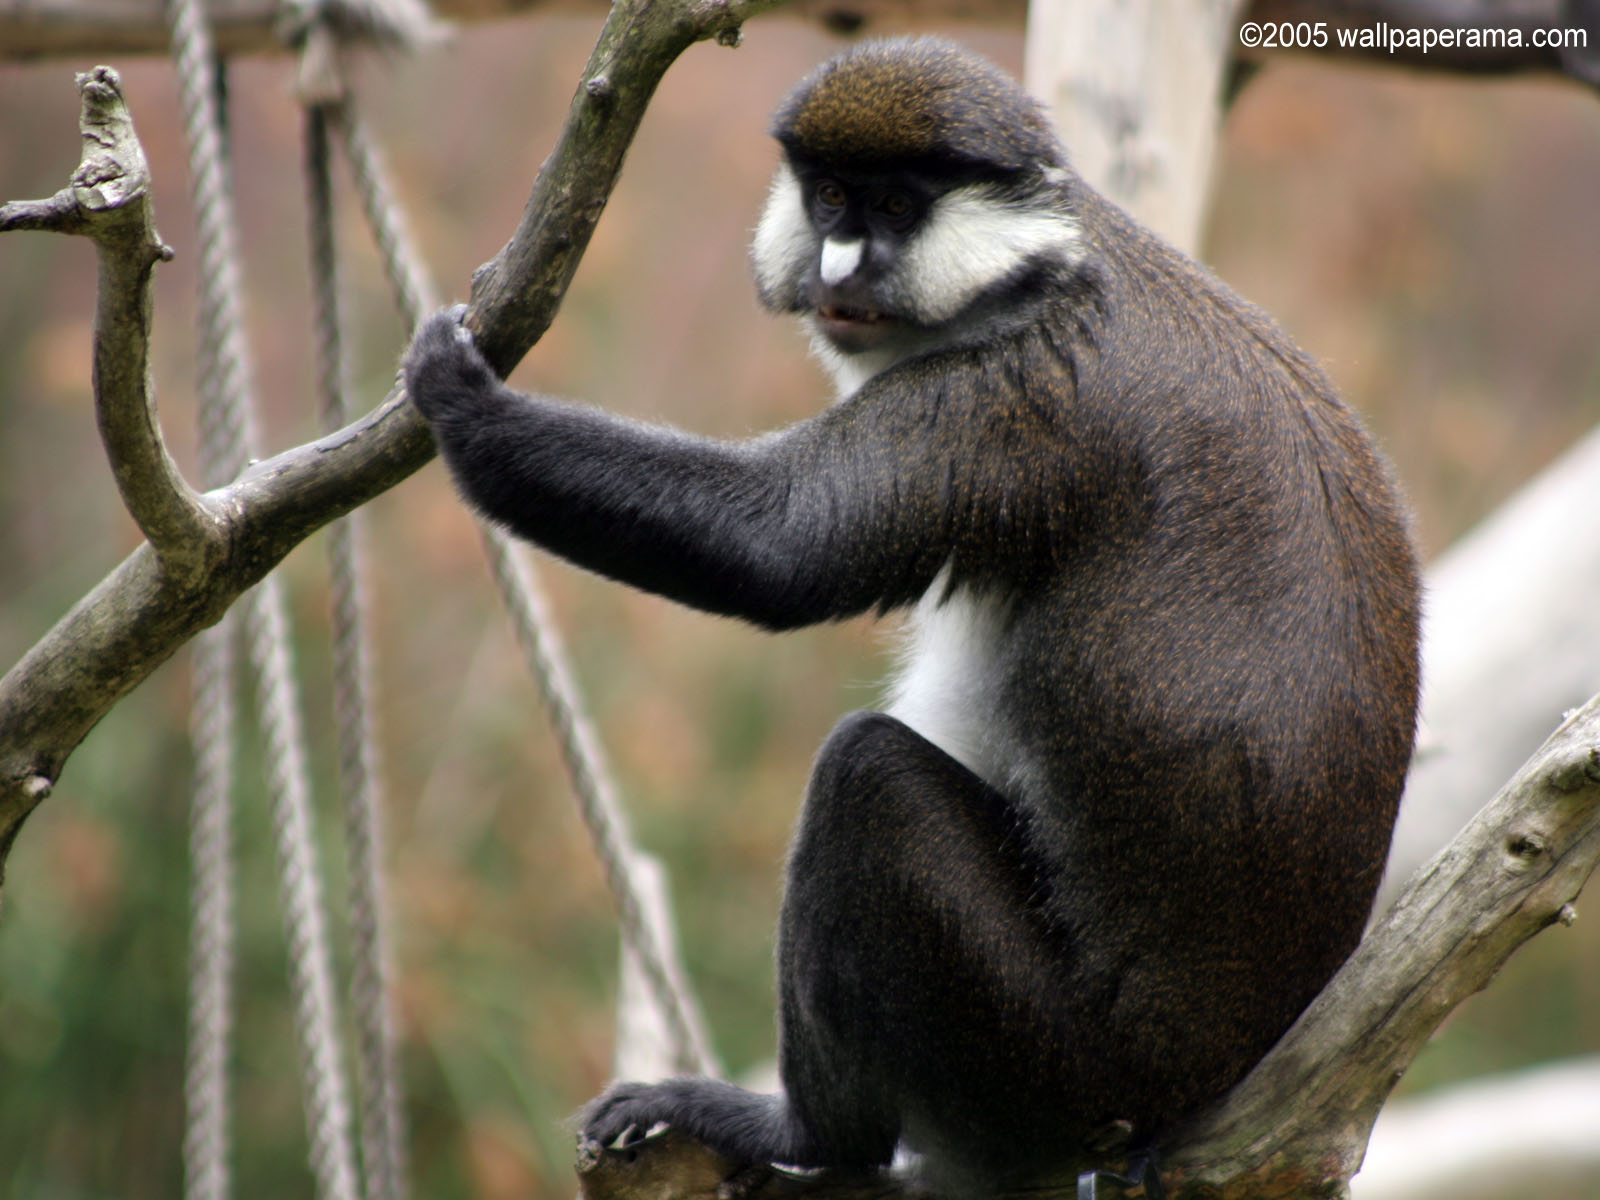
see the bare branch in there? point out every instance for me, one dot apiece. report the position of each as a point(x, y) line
point(108, 200)
point(141, 613)
point(1515, 869)
point(57, 214)
point(112, 186)
point(516, 295)
point(60, 28)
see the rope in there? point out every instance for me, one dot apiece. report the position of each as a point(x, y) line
point(205, 1144)
point(414, 293)
point(310, 973)
point(226, 438)
point(224, 383)
point(222, 438)
point(382, 1140)
point(535, 631)
point(597, 800)
point(226, 428)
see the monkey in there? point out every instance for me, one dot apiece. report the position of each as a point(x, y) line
point(1126, 806)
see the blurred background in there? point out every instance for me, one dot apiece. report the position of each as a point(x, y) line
point(1432, 241)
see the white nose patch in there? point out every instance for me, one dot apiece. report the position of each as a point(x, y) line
point(840, 259)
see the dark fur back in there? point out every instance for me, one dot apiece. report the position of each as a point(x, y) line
point(1215, 681)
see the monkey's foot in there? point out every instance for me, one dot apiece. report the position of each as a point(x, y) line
point(626, 1114)
point(746, 1128)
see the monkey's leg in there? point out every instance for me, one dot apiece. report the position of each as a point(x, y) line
point(914, 977)
point(923, 983)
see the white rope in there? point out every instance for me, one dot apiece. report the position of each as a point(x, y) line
point(213, 722)
point(382, 1136)
point(690, 1048)
point(227, 437)
point(310, 970)
point(211, 890)
point(224, 379)
point(535, 630)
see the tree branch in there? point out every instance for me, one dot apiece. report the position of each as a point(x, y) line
point(145, 609)
point(111, 188)
point(1515, 869)
point(31, 28)
point(1298, 1124)
point(108, 200)
point(61, 28)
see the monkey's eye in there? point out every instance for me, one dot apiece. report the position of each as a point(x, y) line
point(895, 205)
point(897, 210)
point(830, 195)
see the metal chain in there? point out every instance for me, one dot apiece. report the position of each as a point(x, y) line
point(382, 1136)
point(535, 630)
point(225, 384)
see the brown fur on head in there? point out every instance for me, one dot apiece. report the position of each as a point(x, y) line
point(916, 100)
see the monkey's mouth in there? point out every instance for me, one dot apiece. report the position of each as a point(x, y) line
point(850, 316)
point(852, 329)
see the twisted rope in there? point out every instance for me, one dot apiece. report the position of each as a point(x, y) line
point(402, 264)
point(310, 972)
point(211, 889)
point(382, 1138)
point(224, 384)
point(535, 631)
point(222, 437)
point(226, 426)
point(690, 1049)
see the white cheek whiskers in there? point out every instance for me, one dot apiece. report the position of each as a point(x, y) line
point(784, 241)
point(973, 239)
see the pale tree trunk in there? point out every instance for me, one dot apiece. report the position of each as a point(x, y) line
point(1134, 89)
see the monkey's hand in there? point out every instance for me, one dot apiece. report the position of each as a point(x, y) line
point(446, 377)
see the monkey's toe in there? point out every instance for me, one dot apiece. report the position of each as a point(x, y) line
point(624, 1114)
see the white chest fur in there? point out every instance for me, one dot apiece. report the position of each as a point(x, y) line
point(948, 679)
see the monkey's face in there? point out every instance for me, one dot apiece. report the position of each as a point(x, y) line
point(856, 231)
point(918, 189)
point(875, 258)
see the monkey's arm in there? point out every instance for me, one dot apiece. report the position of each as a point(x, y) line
point(798, 527)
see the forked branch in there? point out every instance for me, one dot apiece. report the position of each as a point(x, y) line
point(146, 609)
point(108, 200)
